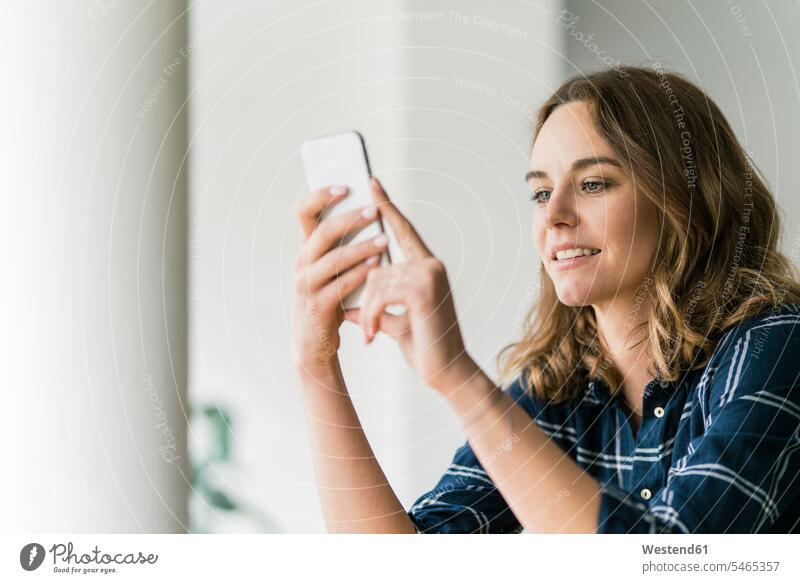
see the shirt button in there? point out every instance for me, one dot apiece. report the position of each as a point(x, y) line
point(658, 411)
point(664, 384)
point(645, 493)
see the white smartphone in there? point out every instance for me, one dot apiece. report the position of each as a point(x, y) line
point(342, 159)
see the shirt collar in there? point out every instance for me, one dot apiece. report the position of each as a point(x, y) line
point(598, 392)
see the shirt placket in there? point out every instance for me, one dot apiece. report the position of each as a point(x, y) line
point(647, 472)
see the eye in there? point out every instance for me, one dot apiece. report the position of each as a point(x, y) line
point(538, 196)
point(595, 185)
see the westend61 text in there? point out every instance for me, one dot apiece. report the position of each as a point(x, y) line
point(675, 549)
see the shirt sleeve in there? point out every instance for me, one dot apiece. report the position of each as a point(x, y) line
point(741, 474)
point(465, 500)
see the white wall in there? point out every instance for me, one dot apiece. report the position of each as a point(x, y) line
point(744, 53)
point(266, 77)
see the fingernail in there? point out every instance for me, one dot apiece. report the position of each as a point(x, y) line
point(373, 260)
point(337, 190)
point(370, 212)
point(380, 240)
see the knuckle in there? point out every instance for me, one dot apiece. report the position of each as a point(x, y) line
point(425, 283)
point(303, 206)
point(326, 266)
point(435, 266)
point(300, 283)
point(436, 272)
point(428, 274)
point(320, 228)
point(314, 238)
point(299, 261)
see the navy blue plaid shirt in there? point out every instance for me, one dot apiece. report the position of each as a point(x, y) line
point(716, 452)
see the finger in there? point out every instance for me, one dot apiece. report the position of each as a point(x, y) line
point(348, 281)
point(352, 315)
point(342, 258)
point(379, 320)
point(393, 325)
point(311, 206)
point(381, 290)
point(408, 238)
point(381, 282)
point(332, 231)
point(370, 289)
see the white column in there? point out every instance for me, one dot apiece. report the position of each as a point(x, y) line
point(93, 327)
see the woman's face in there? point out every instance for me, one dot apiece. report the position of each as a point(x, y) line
point(582, 198)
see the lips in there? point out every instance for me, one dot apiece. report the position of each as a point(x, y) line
point(576, 252)
point(573, 262)
point(565, 251)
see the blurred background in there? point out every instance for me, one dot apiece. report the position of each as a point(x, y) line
point(150, 152)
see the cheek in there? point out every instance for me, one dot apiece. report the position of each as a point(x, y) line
point(539, 232)
point(646, 228)
point(632, 241)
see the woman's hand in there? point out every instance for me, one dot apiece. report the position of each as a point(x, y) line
point(325, 273)
point(428, 332)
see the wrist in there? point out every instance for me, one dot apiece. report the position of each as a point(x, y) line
point(471, 398)
point(317, 367)
point(459, 374)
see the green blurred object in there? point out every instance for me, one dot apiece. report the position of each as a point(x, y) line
point(211, 508)
point(219, 451)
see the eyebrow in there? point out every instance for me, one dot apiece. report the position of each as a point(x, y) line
point(577, 165)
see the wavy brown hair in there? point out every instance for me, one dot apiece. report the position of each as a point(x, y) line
point(717, 262)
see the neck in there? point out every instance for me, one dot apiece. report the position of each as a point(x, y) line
point(616, 322)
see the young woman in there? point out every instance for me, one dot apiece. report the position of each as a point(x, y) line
point(656, 386)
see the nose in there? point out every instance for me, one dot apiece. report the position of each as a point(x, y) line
point(561, 207)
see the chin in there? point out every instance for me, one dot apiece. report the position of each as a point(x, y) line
point(575, 295)
point(574, 303)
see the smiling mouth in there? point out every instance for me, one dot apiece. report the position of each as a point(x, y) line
point(569, 254)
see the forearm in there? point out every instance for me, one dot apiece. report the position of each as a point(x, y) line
point(354, 493)
point(544, 487)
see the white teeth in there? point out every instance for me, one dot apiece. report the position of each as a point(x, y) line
point(570, 253)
